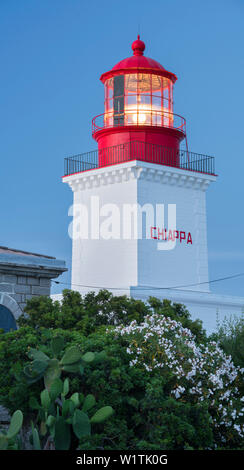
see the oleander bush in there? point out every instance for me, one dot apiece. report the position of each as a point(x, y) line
point(196, 373)
point(169, 384)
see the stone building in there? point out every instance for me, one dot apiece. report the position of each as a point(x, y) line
point(23, 275)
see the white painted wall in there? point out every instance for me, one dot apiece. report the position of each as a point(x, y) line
point(124, 263)
point(186, 263)
point(101, 262)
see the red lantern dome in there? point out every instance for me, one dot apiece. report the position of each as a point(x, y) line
point(138, 106)
point(138, 61)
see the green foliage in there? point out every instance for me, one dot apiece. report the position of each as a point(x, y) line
point(9, 440)
point(81, 424)
point(14, 392)
point(16, 388)
point(86, 314)
point(15, 424)
point(62, 436)
point(230, 336)
point(89, 402)
point(147, 415)
point(64, 419)
point(50, 368)
point(61, 416)
point(83, 314)
point(36, 439)
point(102, 414)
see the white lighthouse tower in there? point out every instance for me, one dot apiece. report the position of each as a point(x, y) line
point(139, 212)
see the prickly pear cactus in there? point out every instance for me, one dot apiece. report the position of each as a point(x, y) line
point(6, 440)
point(101, 415)
point(51, 368)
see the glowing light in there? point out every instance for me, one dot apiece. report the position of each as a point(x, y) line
point(139, 118)
point(138, 115)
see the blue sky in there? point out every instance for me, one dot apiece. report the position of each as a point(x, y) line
point(52, 55)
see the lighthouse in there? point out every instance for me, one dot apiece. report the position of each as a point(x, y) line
point(139, 200)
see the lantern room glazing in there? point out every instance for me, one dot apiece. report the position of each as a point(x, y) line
point(137, 99)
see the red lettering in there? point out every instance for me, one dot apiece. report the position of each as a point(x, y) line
point(153, 228)
point(181, 236)
point(189, 239)
point(171, 236)
point(160, 234)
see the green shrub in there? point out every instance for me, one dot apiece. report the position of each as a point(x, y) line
point(230, 336)
point(87, 314)
point(155, 407)
point(10, 439)
point(83, 314)
point(15, 346)
point(64, 418)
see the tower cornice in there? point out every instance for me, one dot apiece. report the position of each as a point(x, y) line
point(139, 170)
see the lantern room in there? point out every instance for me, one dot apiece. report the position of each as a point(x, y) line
point(141, 99)
point(138, 106)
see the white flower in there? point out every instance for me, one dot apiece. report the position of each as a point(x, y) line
point(178, 391)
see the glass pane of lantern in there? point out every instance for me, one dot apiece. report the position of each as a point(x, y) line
point(156, 102)
point(156, 84)
point(119, 100)
point(109, 95)
point(131, 83)
point(144, 83)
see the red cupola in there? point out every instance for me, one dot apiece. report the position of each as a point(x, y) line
point(138, 108)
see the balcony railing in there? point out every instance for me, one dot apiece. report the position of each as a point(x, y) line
point(139, 117)
point(140, 151)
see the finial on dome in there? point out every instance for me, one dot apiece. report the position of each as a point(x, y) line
point(138, 46)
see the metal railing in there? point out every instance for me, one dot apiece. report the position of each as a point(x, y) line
point(141, 151)
point(139, 117)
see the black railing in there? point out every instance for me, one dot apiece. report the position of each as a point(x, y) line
point(140, 151)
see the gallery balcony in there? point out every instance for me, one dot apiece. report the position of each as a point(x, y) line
point(140, 151)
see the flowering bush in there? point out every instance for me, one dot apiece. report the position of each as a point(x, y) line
point(197, 373)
